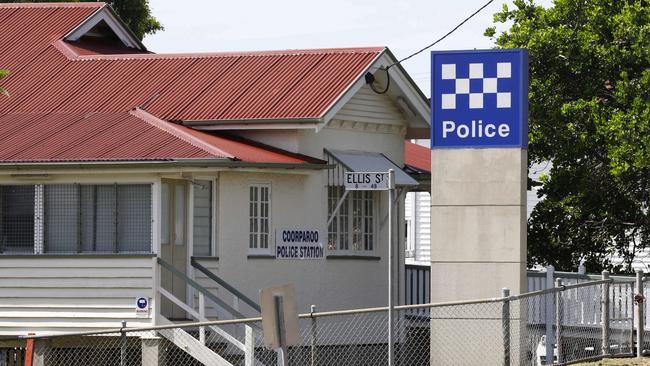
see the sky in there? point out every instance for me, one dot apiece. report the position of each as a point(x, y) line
point(404, 26)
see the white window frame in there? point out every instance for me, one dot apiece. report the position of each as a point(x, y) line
point(349, 203)
point(257, 250)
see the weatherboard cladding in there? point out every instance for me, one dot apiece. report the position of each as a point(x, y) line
point(67, 106)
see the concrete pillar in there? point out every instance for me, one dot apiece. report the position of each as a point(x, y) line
point(152, 351)
point(478, 245)
point(478, 211)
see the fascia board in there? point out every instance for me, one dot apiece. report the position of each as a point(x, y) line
point(177, 163)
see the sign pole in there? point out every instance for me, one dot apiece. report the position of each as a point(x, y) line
point(391, 191)
point(378, 181)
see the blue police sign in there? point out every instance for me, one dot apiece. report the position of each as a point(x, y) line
point(479, 99)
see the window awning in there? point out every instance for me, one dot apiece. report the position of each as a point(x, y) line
point(361, 161)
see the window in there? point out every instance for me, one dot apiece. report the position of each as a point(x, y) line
point(76, 218)
point(353, 227)
point(259, 215)
point(17, 219)
point(202, 218)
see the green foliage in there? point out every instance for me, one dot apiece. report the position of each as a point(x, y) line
point(136, 14)
point(3, 73)
point(589, 115)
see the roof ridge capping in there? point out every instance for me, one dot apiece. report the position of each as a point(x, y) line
point(267, 53)
point(98, 5)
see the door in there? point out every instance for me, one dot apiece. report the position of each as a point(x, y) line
point(174, 244)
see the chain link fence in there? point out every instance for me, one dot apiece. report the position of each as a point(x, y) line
point(561, 325)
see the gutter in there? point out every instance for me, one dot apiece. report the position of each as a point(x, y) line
point(178, 163)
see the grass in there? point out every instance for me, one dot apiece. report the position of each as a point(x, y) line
point(618, 362)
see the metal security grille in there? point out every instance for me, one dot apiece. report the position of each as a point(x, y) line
point(353, 227)
point(75, 218)
point(97, 218)
point(17, 219)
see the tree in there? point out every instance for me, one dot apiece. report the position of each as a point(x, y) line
point(135, 13)
point(3, 73)
point(589, 115)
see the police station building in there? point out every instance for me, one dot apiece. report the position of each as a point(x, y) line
point(128, 178)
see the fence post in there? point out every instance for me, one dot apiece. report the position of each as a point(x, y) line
point(639, 302)
point(312, 310)
point(558, 322)
point(123, 344)
point(604, 314)
point(548, 315)
point(505, 325)
point(249, 346)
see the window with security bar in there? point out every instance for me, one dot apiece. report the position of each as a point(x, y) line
point(76, 218)
point(353, 227)
point(17, 219)
point(259, 206)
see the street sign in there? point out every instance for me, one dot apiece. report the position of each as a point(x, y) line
point(367, 181)
point(480, 99)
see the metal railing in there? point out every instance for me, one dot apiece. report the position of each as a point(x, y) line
point(195, 285)
point(237, 295)
point(560, 325)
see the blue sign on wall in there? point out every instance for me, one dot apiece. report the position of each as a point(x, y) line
point(479, 99)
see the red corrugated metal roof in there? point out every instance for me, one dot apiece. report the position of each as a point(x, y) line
point(417, 156)
point(278, 85)
point(134, 135)
point(52, 84)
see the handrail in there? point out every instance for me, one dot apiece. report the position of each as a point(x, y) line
point(198, 317)
point(573, 275)
point(225, 285)
point(200, 288)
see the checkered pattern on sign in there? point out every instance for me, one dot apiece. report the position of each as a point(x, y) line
point(489, 86)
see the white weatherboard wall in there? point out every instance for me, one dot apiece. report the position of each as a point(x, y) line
point(300, 202)
point(51, 294)
point(368, 106)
